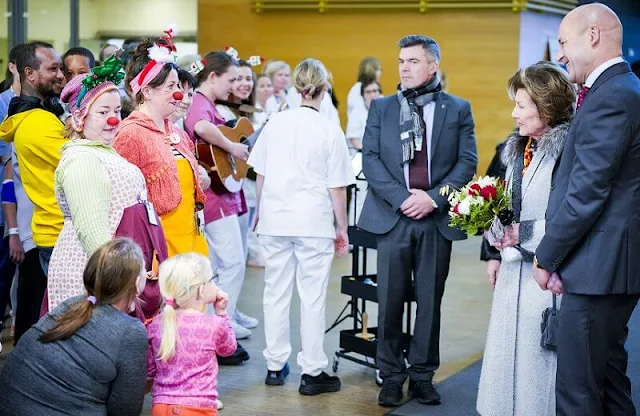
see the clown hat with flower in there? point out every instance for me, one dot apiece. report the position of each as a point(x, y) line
point(83, 90)
point(161, 53)
point(254, 60)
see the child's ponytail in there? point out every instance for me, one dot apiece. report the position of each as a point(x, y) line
point(169, 331)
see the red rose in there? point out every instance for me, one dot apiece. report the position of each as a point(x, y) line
point(474, 189)
point(455, 209)
point(489, 192)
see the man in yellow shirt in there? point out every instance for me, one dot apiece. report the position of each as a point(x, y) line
point(37, 133)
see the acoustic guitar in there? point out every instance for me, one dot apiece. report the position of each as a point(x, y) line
point(226, 172)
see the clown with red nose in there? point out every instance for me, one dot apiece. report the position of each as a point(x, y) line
point(101, 195)
point(99, 87)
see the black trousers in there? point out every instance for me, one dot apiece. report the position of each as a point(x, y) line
point(32, 284)
point(418, 248)
point(592, 362)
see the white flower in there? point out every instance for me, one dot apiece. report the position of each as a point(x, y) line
point(477, 200)
point(173, 28)
point(485, 181)
point(161, 54)
point(464, 207)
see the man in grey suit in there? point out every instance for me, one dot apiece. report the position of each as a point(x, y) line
point(415, 142)
point(591, 247)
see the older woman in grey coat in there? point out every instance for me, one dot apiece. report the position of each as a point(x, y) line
point(518, 376)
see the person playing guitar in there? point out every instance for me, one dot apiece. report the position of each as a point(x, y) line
point(222, 208)
point(238, 105)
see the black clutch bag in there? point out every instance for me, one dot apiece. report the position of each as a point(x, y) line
point(549, 327)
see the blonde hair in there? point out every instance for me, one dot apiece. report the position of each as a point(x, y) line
point(68, 131)
point(368, 68)
point(185, 61)
point(310, 77)
point(271, 67)
point(179, 278)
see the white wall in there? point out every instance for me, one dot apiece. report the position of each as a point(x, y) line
point(536, 31)
point(49, 19)
point(142, 17)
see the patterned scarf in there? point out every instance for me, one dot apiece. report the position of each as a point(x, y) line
point(411, 102)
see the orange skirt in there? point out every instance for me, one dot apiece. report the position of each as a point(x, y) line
point(179, 410)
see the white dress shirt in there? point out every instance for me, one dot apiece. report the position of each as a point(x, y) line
point(591, 79)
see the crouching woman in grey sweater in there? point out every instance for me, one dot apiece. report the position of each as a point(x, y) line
point(87, 356)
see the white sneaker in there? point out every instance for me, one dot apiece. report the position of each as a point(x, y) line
point(246, 321)
point(240, 331)
point(219, 404)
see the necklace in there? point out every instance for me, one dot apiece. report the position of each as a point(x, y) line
point(528, 154)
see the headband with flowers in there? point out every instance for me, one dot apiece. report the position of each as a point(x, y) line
point(83, 90)
point(160, 54)
point(197, 66)
point(252, 60)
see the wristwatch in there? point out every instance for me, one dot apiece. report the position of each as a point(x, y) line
point(433, 203)
point(536, 264)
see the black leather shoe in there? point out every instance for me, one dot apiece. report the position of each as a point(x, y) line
point(424, 391)
point(322, 383)
point(390, 394)
point(238, 356)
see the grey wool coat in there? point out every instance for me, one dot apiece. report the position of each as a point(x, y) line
point(518, 376)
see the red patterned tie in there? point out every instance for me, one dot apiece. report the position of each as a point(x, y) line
point(419, 165)
point(583, 93)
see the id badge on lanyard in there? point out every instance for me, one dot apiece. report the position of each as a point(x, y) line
point(200, 221)
point(151, 213)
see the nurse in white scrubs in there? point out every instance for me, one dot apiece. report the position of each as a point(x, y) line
point(303, 169)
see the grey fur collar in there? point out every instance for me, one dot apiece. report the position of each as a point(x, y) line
point(549, 144)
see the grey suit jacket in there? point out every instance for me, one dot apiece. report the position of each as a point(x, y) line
point(453, 162)
point(592, 233)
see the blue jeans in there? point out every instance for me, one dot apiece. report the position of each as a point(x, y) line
point(7, 270)
point(45, 257)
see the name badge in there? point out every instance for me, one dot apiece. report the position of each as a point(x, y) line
point(200, 221)
point(151, 213)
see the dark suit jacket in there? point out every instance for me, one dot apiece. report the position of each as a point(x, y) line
point(592, 235)
point(453, 161)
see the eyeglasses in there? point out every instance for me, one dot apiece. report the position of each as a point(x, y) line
point(187, 289)
point(210, 280)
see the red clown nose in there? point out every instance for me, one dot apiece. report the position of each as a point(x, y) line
point(178, 96)
point(113, 121)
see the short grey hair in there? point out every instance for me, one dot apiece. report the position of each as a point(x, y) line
point(429, 45)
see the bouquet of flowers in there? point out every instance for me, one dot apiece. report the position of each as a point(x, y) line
point(476, 205)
